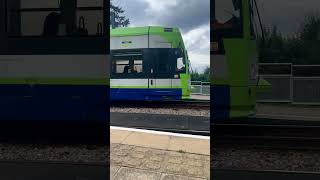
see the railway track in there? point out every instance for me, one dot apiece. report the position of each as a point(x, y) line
point(231, 174)
point(52, 151)
point(53, 133)
point(185, 104)
point(267, 136)
point(163, 122)
point(39, 170)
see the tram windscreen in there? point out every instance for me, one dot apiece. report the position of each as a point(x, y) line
point(227, 18)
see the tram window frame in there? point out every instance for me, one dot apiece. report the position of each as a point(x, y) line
point(226, 33)
point(131, 57)
point(138, 64)
point(126, 63)
point(254, 30)
point(2, 25)
point(91, 44)
point(57, 9)
point(151, 60)
point(181, 55)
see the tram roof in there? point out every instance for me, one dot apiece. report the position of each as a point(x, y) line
point(136, 31)
point(171, 35)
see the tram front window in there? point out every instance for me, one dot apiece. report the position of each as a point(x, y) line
point(181, 67)
point(180, 64)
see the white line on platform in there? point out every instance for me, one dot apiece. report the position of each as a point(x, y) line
point(160, 132)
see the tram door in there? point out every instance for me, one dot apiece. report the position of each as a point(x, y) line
point(161, 68)
point(150, 59)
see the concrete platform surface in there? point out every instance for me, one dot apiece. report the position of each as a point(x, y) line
point(288, 111)
point(152, 155)
point(199, 97)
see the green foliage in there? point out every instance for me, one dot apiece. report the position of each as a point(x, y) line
point(302, 48)
point(204, 77)
point(119, 19)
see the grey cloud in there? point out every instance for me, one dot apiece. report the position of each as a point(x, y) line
point(287, 14)
point(186, 14)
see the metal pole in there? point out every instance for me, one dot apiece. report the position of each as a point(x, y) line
point(112, 20)
point(291, 84)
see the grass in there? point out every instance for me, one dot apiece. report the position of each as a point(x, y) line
point(181, 151)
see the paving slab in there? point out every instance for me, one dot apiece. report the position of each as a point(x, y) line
point(198, 146)
point(113, 171)
point(118, 136)
point(176, 177)
point(156, 161)
point(136, 174)
point(159, 141)
point(136, 154)
point(200, 97)
point(147, 140)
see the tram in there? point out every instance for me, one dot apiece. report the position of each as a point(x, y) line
point(149, 64)
point(53, 60)
point(235, 28)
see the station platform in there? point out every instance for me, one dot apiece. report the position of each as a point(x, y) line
point(147, 155)
point(199, 97)
point(289, 111)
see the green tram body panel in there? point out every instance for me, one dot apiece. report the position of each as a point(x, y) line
point(241, 59)
point(165, 35)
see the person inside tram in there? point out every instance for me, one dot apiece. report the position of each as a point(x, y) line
point(134, 70)
point(126, 69)
point(51, 25)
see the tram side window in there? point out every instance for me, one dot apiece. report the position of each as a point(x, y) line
point(121, 66)
point(137, 66)
point(127, 65)
point(27, 18)
point(227, 20)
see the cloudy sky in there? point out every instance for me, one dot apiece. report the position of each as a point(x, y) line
point(287, 14)
point(191, 16)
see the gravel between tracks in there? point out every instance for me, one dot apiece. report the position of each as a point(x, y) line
point(78, 153)
point(263, 159)
point(173, 111)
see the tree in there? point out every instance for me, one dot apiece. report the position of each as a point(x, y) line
point(117, 19)
point(204, 77)
point(274, 46)
point(309, 36)
point(310, 28)
point(302, 48)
